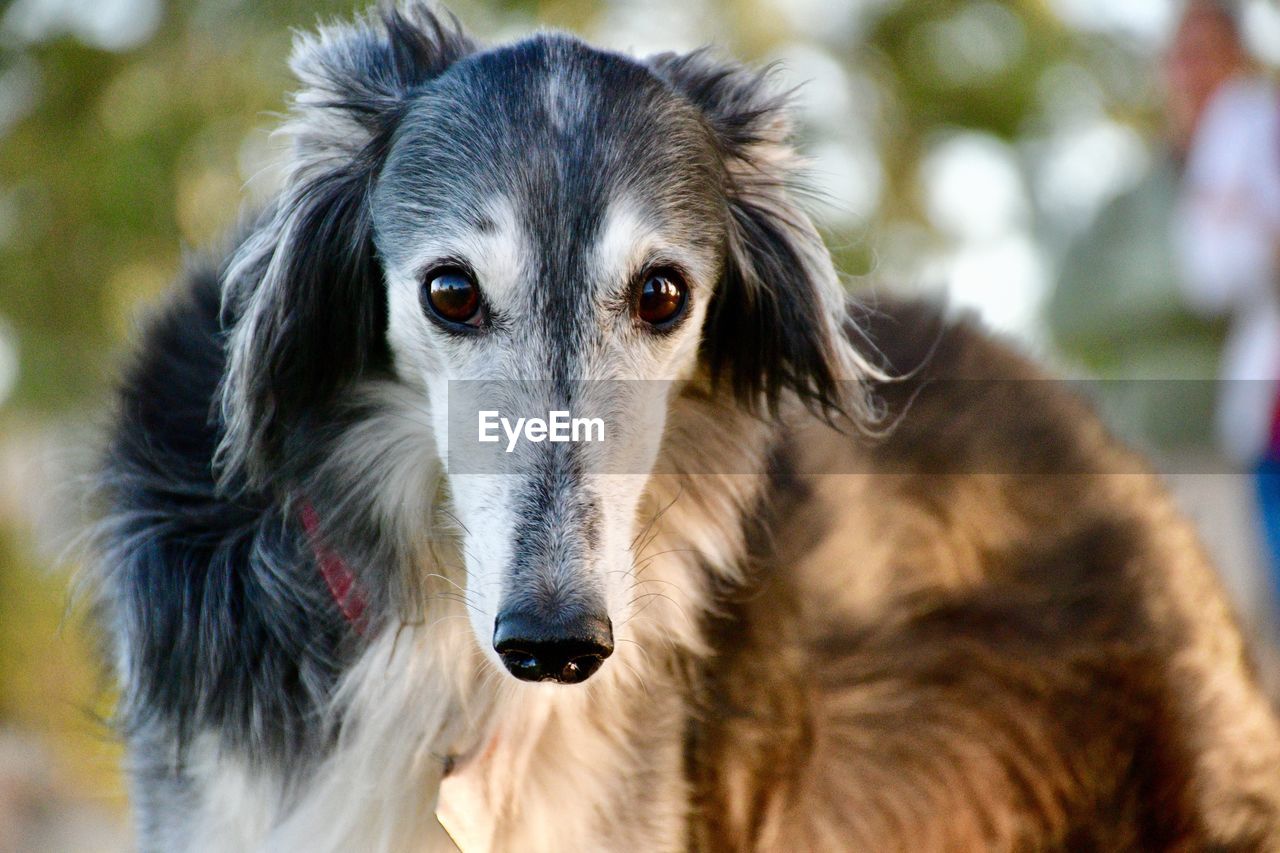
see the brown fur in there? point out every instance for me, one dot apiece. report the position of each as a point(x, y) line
point(995, 635)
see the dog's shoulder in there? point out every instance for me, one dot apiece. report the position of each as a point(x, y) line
point(958, 399)
point(923, 337)
point(166, 397)
point(942, 612)
point(214, 604)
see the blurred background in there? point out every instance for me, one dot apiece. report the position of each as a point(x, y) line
point(1030, 160)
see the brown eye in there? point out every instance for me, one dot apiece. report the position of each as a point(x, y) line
point(663, 297)
point(452, 295)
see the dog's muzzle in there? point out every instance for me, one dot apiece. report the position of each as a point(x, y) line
point(567, 652)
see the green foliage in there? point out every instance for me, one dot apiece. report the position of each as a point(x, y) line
point(128, 159)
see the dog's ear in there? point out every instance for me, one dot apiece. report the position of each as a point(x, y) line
point(303, 296)
point(779, 318)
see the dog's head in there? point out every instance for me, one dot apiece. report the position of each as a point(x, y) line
point(541, 211)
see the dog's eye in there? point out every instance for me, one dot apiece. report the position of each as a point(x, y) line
point(452, 295)
point(663, 297)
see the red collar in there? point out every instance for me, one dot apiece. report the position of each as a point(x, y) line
point(335, 571)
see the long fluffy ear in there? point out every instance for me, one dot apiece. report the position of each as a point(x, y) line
point(779, 318)
point(303, 295)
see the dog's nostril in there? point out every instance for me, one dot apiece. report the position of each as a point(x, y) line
point(535, 650)
point(522, 664)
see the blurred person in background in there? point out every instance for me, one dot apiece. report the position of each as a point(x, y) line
point(1130, 307)
point(1117, 314)
point(1227, 225)
point(1227, 233)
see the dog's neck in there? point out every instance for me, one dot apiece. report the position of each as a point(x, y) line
point(691, 543)
point(422, 699)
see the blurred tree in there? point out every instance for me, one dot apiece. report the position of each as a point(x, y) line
point(127, 157)
point(123, 159)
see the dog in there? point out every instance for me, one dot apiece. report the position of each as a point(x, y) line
point(841, 576)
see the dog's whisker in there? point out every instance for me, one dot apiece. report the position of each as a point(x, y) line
point(447, 580)
point(640, 582)
point(642, 565)
point(444, 596)
point(444, 618)
point(663, 631)
point(654, 520)
point(639, 647)
point(456, 520)
point(638, 677)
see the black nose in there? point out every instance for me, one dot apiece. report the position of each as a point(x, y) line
point(535, 649)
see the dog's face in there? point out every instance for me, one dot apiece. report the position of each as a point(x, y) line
point(549, 213)
point(562, 229)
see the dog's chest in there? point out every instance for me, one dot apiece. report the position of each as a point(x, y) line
point(482, 795)
point(464, 809)
point(540, 782)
